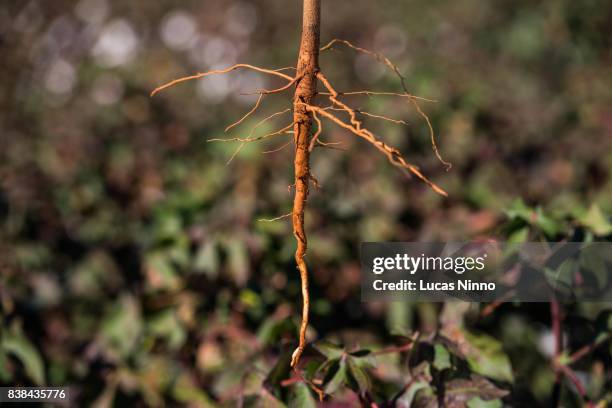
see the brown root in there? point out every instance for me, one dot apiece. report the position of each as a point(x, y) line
point(305, 111)
point(381, 58)
point(280, 217)
point(315, 137)
point(253, 139)
point(372, 115)
point(305, 91)
point(374, 93)
point(392, 153)
point(249, 140)
point(222, 71)
point(249, 113)
point(273, 91)
point(278, 149)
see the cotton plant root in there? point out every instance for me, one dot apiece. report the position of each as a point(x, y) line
point(306, 139)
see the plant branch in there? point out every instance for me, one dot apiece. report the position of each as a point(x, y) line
point(583, 351)
point(561, 369)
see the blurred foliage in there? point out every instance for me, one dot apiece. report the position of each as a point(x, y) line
point(132, 262)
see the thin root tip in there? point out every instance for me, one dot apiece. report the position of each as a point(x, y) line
point(441, 192)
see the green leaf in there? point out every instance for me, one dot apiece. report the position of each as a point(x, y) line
point(96, 272)
point(338, 380)
point(280, 371)
point(422, 371)
point(272, 329)
point(535, 217)
point(161, 272)
point(425, 397)
point(327, 365)
point(592, 262)
point(485, 356)
point(250, 299)
point(549, 226)
point(518, 209)
point(16, 343)
point(519, 236)
point(399, 317)
point(189, 393)
point(561, 278)
point(477, 402)
point(238, 261)
point(311, 368)
point(359, 375)
point(596, 221)
point(441, 357)
point(207, 259)
point(301, 397)
point(407, 398)
point(460, 391)
point(329, 350)
point(121, 328)
point(5, 374)
point(363, 359)
point(167, 226)
point(167, 326)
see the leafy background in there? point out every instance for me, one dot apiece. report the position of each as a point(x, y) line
point(132, 262)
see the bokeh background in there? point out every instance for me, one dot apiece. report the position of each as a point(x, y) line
point(133, 264)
